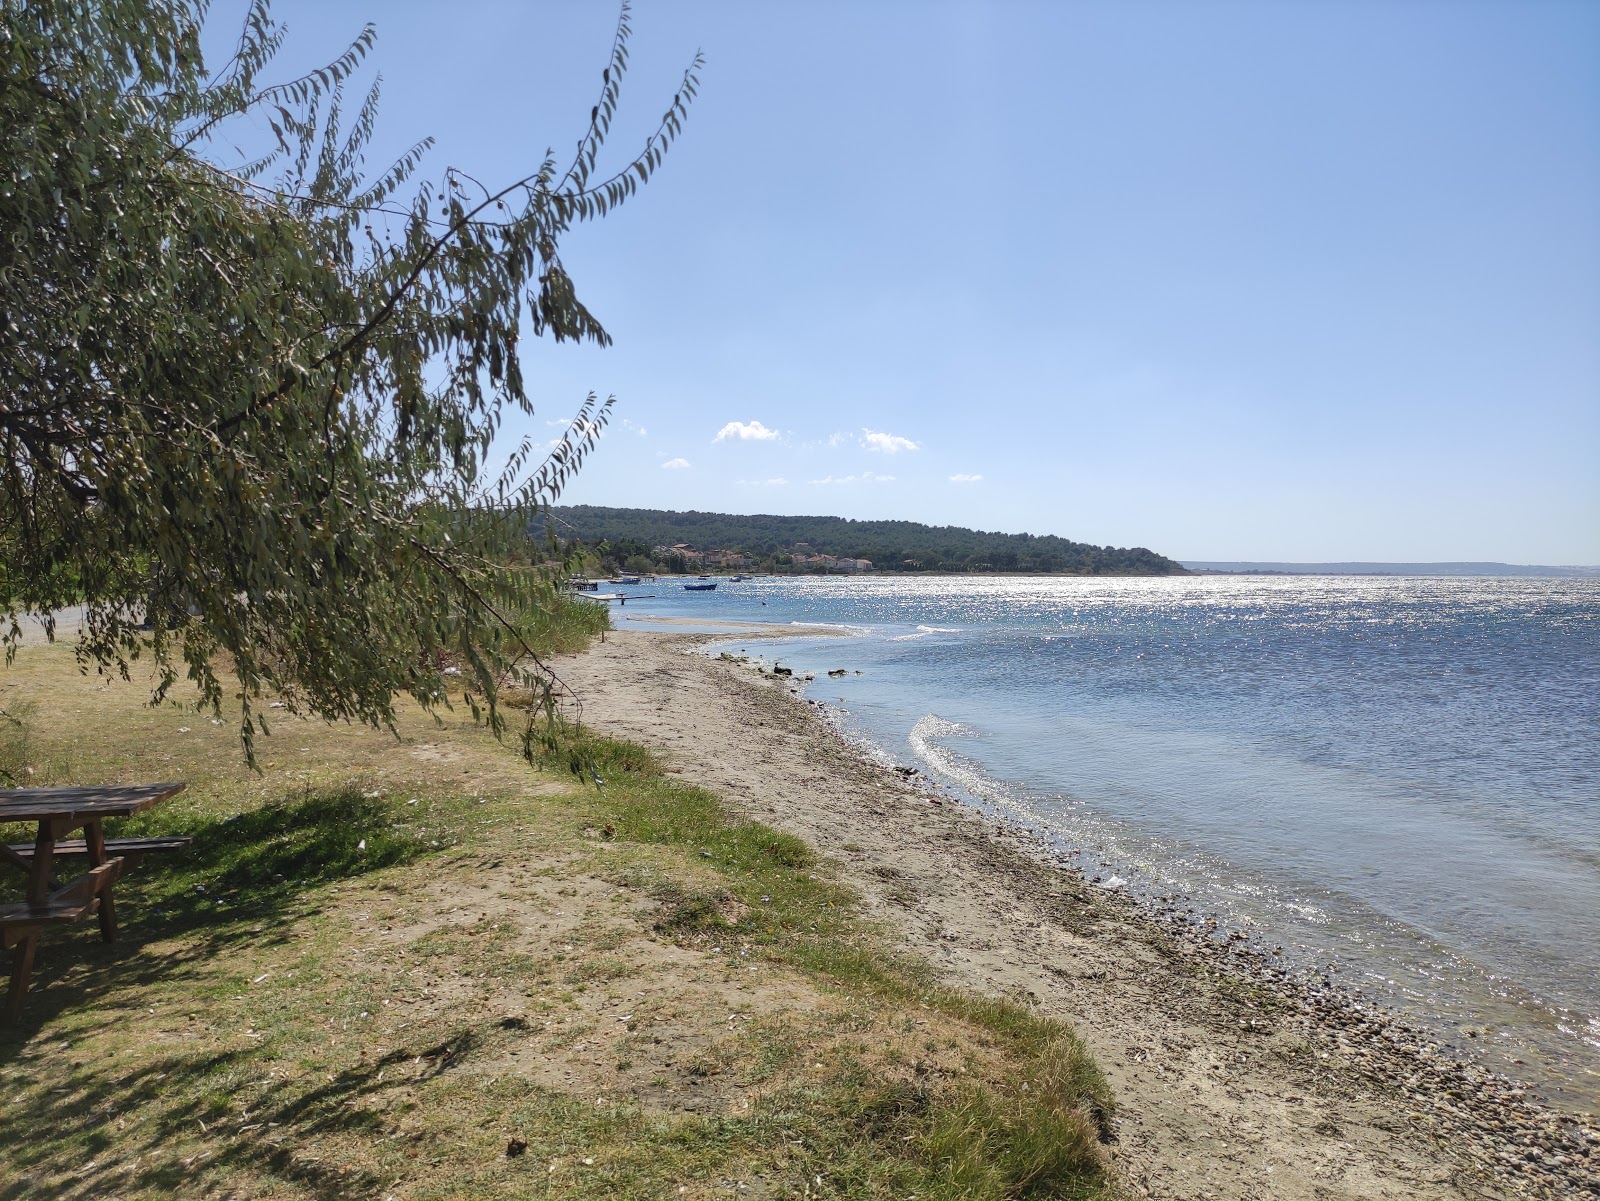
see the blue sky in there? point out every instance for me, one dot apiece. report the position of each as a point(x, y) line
point(1305, 281)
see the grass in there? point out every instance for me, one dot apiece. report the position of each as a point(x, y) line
point(420, 969)
point(566, 626)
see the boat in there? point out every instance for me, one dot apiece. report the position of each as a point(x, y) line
point(699, 587)
point(739, 579)
point(629, 579)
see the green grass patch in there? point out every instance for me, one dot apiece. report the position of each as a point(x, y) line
point(1036, 1135)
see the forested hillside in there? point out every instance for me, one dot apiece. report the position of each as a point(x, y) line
point(789, 543)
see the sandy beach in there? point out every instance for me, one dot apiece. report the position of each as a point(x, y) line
point(1229, 1083)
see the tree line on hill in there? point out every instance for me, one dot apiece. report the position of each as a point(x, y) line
point(642, 540)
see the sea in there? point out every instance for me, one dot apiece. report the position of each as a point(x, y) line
point(1395, 780)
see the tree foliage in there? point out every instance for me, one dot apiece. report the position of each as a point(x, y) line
point(891, 545)
point(253, 401)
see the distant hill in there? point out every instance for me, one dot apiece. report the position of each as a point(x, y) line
point(792, 542)
point(1441, 569)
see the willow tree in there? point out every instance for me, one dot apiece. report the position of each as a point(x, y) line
point(250, 404)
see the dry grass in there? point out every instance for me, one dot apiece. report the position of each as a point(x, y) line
point(517, 987)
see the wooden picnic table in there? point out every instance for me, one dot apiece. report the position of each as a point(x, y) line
point(60, 811)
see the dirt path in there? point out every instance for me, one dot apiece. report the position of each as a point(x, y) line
point(1226, 1090)
point(66, 630)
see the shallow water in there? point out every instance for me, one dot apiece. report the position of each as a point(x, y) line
point(1398, 777)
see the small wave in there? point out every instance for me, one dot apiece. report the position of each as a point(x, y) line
point(924, 631)
point(1310, 912)
point(832, 625)
point(924, 738)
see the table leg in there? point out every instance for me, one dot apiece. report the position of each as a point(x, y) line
point(44, 850)
point(94, 838)
point(21, 969)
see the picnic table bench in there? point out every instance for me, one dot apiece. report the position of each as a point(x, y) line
point(60, 811)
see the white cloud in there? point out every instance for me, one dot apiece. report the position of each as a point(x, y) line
point(838, 439)
point(961, 478)
point(774, 482)
point(675, 464)
point(866, 477)
point(740, 431)
point(889, 444)
point(638, 429)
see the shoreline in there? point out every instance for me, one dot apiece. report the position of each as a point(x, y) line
point(1233, 1077)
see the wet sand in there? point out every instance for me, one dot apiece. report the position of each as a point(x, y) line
point(1231, 1081)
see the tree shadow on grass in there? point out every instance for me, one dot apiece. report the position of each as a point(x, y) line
point(260, 864)
point(245, 868)
point(181, 1094)
point(244, 881)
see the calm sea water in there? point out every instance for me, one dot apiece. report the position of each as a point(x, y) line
point(1395, 777)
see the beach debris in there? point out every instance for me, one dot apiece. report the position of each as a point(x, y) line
point(782, 671)
point(1115, 883)
point(908, 772)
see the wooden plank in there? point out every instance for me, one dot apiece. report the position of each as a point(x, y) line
point(111, 800)
point(23, 916)
point(20, 853)
point(87, 886)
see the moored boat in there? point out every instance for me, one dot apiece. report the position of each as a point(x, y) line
point(699, 587)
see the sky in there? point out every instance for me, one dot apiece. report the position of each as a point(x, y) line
point(1302, 282)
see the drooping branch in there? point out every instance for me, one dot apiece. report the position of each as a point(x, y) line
point(227, 382)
